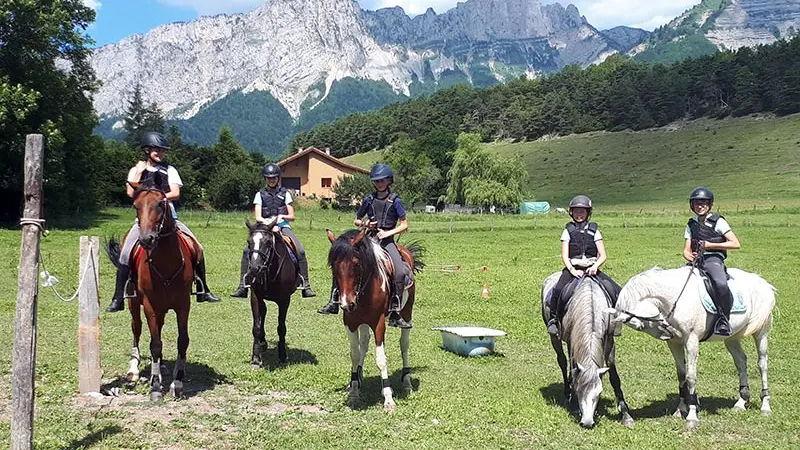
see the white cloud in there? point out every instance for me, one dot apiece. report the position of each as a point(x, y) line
point(211, 7)
point(94, 4)
point(602, 14)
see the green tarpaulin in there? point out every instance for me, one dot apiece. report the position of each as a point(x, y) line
point(534, 208)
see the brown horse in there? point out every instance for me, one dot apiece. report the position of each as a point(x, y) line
point(362, 271)
point(163, 267)
point(272, 275)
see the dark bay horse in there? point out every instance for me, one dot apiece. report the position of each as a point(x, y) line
point(163, 268)
point(588, 332)
point(362, 271)
point(271, 275)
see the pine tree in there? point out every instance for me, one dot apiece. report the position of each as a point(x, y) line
point(135, 117)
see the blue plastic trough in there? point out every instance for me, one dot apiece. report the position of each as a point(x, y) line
point(469, 341)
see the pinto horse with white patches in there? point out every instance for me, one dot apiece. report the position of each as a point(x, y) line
point(667, 305)
point(362, 271)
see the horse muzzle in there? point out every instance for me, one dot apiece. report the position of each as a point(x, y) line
point(148, 240)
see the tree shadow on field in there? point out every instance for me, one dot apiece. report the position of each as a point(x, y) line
point(94, 437)
point(667, 406)
point(371, 389)
point(294, 356)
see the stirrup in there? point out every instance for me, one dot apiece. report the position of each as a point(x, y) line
point(129, 291)
point(200, 287)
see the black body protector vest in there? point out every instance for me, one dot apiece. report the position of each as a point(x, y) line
point(383, 212)
point(273, 202)
point(581, 240)
point(148, 174)
point(701, 232)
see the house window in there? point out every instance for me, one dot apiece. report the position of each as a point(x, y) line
point(326, 182)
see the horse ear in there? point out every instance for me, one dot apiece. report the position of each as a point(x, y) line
point(359, 237)
point(248, 224)
point(581, 368)
point(602, 371)
point(158, 179)
point(331, 237)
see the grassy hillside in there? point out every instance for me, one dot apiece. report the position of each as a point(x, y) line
point(365, 160)
point(746, 161)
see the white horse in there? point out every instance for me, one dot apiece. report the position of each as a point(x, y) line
point(667, 304)
point(589, 335)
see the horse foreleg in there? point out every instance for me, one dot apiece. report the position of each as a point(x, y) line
point(734, 346)
point(692, 350)
point(616, 383)
point(562, 364)
point(283, 308)
point(136, 327)
point(354, 398)
point(176, 387)
point(383, 366)
point(364, 334)
point(154, 323)
point(761, 347)
point(676, 347)
point(259, 310)
point(405, 377)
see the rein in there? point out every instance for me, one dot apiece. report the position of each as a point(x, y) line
point(166, 281)
point(267, 255)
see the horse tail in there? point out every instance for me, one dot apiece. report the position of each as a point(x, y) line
point(113, 250)
point(417, 251)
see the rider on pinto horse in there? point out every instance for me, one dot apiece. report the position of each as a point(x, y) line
point(153, 145)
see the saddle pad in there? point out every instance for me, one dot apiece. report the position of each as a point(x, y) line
point(290, 246)
point(736, 290)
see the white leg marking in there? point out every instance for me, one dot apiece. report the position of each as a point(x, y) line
point(380, 359)
point(353, 399)
point(365, 334)
point(133, 368)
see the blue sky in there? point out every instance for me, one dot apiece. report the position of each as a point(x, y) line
point(117, 19)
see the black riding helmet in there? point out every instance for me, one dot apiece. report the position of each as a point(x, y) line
point(271, 170)
point(581, 201)
point(152, 139)
point(381, 171)
point(701, 193)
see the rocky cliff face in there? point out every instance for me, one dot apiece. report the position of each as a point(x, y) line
point(753, 22)
point(290, 48)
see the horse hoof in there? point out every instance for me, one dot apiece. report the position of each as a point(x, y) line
point(353, 400)
point(677, 414)
point(156, 396)
point(627, 421)
point(176, 389)
point(132, 377)
point(766, 412)
point(692, 425)
point(389, 406)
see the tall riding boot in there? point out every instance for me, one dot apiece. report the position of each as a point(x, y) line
point(395, 303)
point(552, 323)
point(303, 263)
point(723, 325)
point(333, 306)
point(203, 292)
point(241, 291)
point(118, 300)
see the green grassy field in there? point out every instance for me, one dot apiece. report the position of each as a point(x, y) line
point(510, 400)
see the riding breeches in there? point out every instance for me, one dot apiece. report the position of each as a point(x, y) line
point(608, 284)
point(715, 268)
point(133, 237)
point(400, 268)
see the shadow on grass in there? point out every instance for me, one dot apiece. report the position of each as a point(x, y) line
point(94, 437)
point(294, 356)
point(371, 389)
point(199, 378)
point(554, 393)
point(667, 406)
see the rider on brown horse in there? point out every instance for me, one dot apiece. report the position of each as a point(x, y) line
point(153, 145)
point(386, 213)
point(275, 201)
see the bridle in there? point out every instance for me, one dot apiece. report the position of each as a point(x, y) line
point(267, 254)
point(167, 281)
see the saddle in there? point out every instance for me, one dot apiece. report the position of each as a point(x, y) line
point(566, 295)
point(138, 255)
point(708, 294)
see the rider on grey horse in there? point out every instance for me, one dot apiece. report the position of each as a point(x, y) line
point(583, 252)
point(711, 236)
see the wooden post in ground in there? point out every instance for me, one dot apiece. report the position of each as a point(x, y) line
point(89, 372)
point(23, 362)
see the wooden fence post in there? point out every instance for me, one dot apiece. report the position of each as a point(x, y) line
point(24, 357)
point(89, 372)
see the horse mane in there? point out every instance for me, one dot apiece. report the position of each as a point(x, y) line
point(588, 327)
point(369, 252)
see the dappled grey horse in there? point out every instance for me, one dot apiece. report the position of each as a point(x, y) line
point(667, 305)
point(589, 334)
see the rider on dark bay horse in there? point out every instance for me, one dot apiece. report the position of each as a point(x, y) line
point(386, 213)
point(582, 252)
point(275, 201)
point(153, 145)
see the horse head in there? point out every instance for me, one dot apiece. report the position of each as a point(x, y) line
point(153, 212)
point(353, 263)
point(260, 244)
point(587, 385)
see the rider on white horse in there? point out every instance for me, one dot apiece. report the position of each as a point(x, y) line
point(583, 252)
point(711, 236)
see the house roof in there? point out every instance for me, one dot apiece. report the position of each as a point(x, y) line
point(322, 155)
